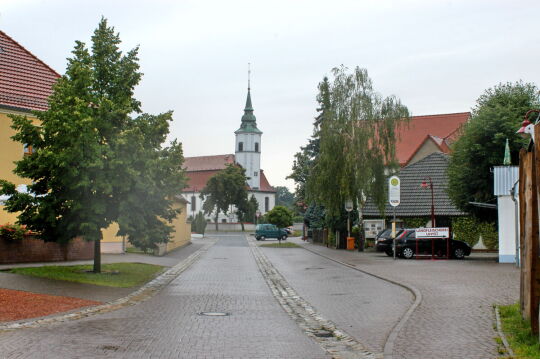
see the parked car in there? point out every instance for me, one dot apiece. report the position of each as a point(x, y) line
point(383, 241)
point(289, 230)
point(407, 245)
point(263, 231)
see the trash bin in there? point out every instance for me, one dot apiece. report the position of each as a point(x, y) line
point(350, 243)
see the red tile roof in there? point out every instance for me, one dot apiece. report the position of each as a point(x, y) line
point(25, 81)
point(442, 128)
point(200, 169)
point(206, 163)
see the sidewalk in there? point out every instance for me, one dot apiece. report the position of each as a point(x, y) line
point(88, 291)
point(455, 314)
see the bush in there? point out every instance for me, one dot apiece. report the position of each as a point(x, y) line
point(199, 223)
point(469, 229)
point(280, 216)
point(298, 219)
point(415, 222)
point(13, 232)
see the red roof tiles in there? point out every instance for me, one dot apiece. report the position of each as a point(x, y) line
point(442, 128)
point(206, 163)
point(200, 169)
point(25, 81)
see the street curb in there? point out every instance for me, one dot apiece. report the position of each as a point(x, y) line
point(142, 294)
point(510, 353)
point(390, 339)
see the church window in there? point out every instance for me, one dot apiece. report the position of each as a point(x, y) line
point(223, 220)
point(266, 204)
point(255, 173)
point(256, 146)
point(240, 146)
point(193, 203)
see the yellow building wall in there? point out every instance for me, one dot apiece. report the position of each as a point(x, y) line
point(10, 150)
point(182, 234)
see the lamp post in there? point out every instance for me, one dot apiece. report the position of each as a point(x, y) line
point(430, 185)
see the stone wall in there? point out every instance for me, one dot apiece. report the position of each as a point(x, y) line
point(32, 249)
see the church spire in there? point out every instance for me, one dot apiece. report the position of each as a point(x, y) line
point(249, 121)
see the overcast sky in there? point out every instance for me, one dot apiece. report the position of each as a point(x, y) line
point(436, 56)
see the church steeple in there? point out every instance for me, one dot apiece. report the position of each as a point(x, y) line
point(249, 121)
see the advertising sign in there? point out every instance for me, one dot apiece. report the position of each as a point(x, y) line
point(394, 185)
point(436, 232)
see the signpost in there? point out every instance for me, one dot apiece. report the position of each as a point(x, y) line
point(394, 189)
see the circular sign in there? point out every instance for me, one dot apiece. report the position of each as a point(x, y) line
point(394, 191)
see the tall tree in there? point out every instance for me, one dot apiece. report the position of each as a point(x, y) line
point(357, 142)
point(280, 216)
point(225, 189)
point(496, 117)
point(93, 163)
point(284, 197)
point(246, 210)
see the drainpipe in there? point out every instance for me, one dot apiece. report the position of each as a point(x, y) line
point(516, 222)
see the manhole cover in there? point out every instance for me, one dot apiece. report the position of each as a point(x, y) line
point(214, 314)
point(308, 268)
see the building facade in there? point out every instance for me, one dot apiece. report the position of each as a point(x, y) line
point(247, 154)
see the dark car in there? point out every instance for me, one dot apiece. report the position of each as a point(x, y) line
point(407, 245)
point(263, 231)
point(383, 241)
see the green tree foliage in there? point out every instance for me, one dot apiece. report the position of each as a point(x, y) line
point(198, 225)
point(469, 229)
point(497, 116)
point(225, 189)
point(95, 164)
point(246, 211)
point(357, 142)
point(280, 216)
point(284, 197)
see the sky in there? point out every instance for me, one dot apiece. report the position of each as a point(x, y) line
point(436, 56)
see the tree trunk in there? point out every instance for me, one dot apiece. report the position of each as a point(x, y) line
point(217, 217)
point(97, 255)
point(242, 224)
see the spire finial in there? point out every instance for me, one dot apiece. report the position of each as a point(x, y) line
point(249, 75)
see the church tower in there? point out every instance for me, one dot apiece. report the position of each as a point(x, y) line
point(248, 145)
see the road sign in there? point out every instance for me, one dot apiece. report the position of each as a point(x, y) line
point(435, 232)
point(394, 185)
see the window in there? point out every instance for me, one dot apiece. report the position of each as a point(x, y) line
point(256, 146)
point(28, 150)
point(255, 174)
point(193, 203)
point(266, 204)
point(224, 220)
point(240, 146)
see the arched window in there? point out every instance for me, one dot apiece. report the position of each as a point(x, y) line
point(193, 203)
point(240, 146)
point(266, 204)
point(256, 146)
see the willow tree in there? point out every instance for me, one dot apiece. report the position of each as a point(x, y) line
point(358, 129)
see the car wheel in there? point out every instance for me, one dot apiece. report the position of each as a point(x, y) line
point(459, 253)
point(258, 238)
point(389, 253)
point(407, 253)
point(262, 238)
point(284, 238)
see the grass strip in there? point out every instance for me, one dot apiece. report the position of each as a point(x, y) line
point(123, 275)
point(518, 332)
point(282, 245)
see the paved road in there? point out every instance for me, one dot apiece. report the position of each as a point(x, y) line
point(225, 279)
point(455, 317)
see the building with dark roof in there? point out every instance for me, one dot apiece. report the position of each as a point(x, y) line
point(247, 154)
point(415, 199)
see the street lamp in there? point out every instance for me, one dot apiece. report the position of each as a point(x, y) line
point(430, 185)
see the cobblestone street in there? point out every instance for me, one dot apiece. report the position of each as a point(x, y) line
point(453, 319)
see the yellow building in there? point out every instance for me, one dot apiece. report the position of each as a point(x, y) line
point(25, 85)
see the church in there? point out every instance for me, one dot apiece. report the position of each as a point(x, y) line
point(247, 154)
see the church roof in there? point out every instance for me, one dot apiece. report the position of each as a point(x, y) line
point(25, 81)
point(206, 163)
point(200, 169)
point(249, 121)
point(442, 129)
